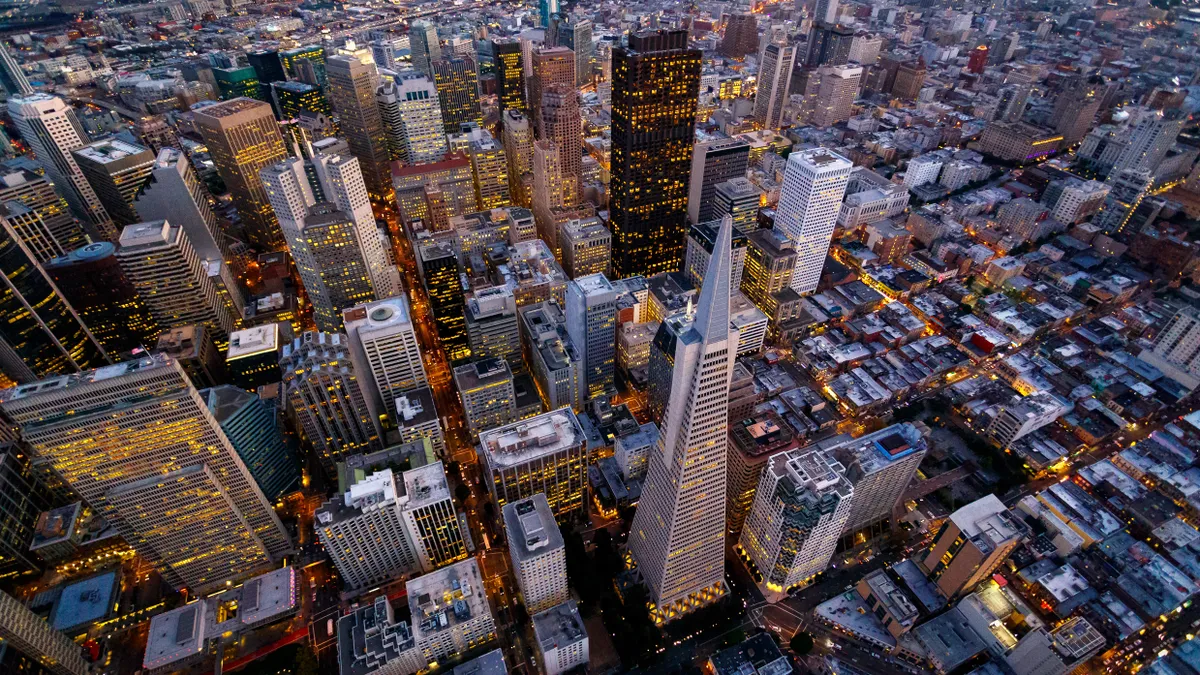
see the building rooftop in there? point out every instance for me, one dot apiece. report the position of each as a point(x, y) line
point(544, 434)
point(559, 626)
point(262, 339)
point(894, 600)
point(949, 640)
point(370, 637)
point(531, 528)
point(56, 525)
point(482, 373)
point(377, 315)
point(176, 635)
point(85, 601)
point(491, 663)
point(152, 233)
point(112, 151)
point(415, 408)
point(451, 595)
point(758, 655)
point(875, 452)
point(425, 485)
point(988, 523)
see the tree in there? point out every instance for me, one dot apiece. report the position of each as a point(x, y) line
point(801, 643)
point(306, 663)
point(461, 492)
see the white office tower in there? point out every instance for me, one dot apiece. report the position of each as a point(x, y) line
point(800, 507)
point(325, 215)
point(383, 346)
point(1153, 136)
point(562, 640)
point(323, 391)
point(48, 124)
point(592, 324)
point(1177, 350)
point(880, 466)
point(450, 613)
point(538, 555)
point(31, 636)
point(387, 525)
point(424, 45)
point(677, 540)
point(418, 128)
point(813, 186)
point(774, 82)
point(172, 281)
point(157, 466)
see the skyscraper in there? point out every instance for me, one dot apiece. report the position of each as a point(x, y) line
point(800, 507)
point(828, 45)
point(331, 233)
point(249, 424)
point(813, 186)
point(41, 335)
point(1076, 107)
point(826, 11)
point(92, 281)
point(516, 466)
point(549, 190)
point(32, 636)
point(677, 538)
point(560, 124)
point(517, 138)
point(576, 35)
point(739, 199)
point(383, 346)
point(551, 65)
point(118, 172)
point(656, 82)
point(546, 10)
point(424, 45)
point(438, 263)
point(12, 78)
point(52, 131)
point(714, 162)
point(741, 36)
point(243, 139)
point(491, 317)
point(774, 81)
point(489, 166)
point(557, 366)
point(157, 465)
point(488, 397)
point(352, 85)
point(175, 193)
point(323, 390)
point(414, 115)
point(592, 324)
point(836, 94)
point(880, 466)
point(457, 81)
point(535, 545)
point(37, 193)
point(32, 231)
point(1153, 136)
point(510, 74)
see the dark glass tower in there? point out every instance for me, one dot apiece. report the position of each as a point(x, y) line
point(41, 335)
point(656, 81)
point(439, 272)
point(91, 279)
point(510, 74)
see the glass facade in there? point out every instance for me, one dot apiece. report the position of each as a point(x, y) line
point(93, 282)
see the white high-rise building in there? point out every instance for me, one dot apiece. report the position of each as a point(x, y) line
point(421, 133)
point(172, 281)
point(592, 324)
point(450, 613)
point(774, 83)
point(538, 555)
point(1177, 349)
point(383, 346)
point(801, 504)
point(331, 233)
point(562, 640)
point(677, 539)
point(813, 186)
point(48, 124)
point(156, 464)
point(1150, 141)
point(923, 170)
point(880, 466)
point(836, 94)
point(32, 636)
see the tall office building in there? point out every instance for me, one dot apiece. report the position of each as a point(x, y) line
point(24, 497)
point(549, 190)
point(556, 364)
point(836, 94)
point(576, 35)
point(551, 65)
point(92, 281)
point(352, 86)
point(517, 138)
point(325, 214)
point(424, 45)
point(656, 82)
point(158, 259)
point(741, 36)
point(739, 199)
point(414, 115)
point(457, 81)
point(323, 390)
point(156, 464)
point(678, 534)
point(291, 99)
point(714, 162)
point(544, 454)
point(249, 424)
point(450, 614)
point(383, 346)
point(175, 193)
point(700, 242)
point(510, 74)
point(828, 45)
point(1076, 107)
point(560, 124)
point(305, 60)
point(438, 263)
point(1177, 348)
point(243, 139)
point(910, 77)
point(586, 246)
point(973, 542)
point(488, 397)
point(492, 331)
point(489, 166)
point(813, 186)
point(46, 649)
point(37, 193)
point(880, 466)
point(384, 53)
point(774, 82)
point(118, 172)
point(592, 325)
point(388, 100)
point(31, 231)
point(49, 125)
point(547, 9)
point(800, 507)
point(12, 78)
point(1153, 136)
point(537, 551)
point(1128, 188)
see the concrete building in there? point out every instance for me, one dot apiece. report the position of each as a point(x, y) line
point(752, 442)
point(384, 349)
point(836, 94)
point(1025, 415)
point(774, 84)
point(739, 199)
point(417, 420)
point(971, 545)
point(1018, 142)
point(118, 172)
point(713, 163)
point(32, 637)
point(700, 249)
point(492, 325)
point(591, 311)
point(352, 84)
point(880, 467)
point(535, 546)
point(546, 453)
point(562, 640)
point(557, 365)
point(413, 112)
point(450, 612)
point(174, 192)
point(1075, 200)
point(586, 246)
point(813, 186)
point(488, 398)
